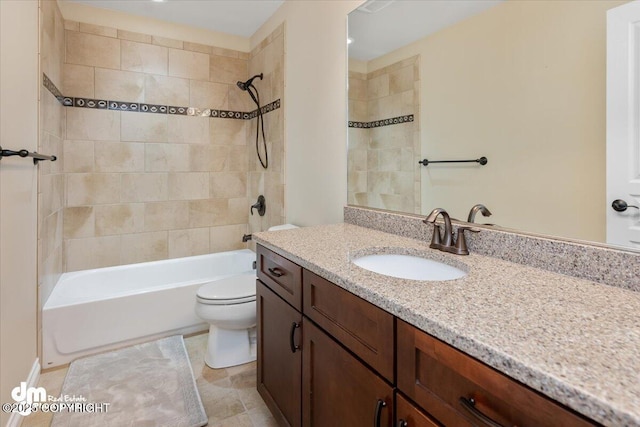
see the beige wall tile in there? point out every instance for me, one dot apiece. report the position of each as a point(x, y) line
point(238, 212)
point(190, 65)
point(220, 51)
point(196, 47)
point(71, 25)
point(188, 242)
point(168, 157)
point(204, 213)
point(402, 79)
point(78, 81)
point(144, 187)
point(92, 188)
point(166, 215)
point(186, 129)
point(119, 157)
point(166, 90)
point(207, 157)
point(144, 58)
point(98, 30)
point(52, 114)
point(143, 247)
point(237, 160)
point(79, 221)
point(240, 100)
point(228, 70)
point(91, 124)
point(188, 186)
point(134, 37)
point(78, 156)
point(209, 95)
point(162, 41)
point(227, 237)
point(119, 85)
point(92, 50)
point(93, 252)
point(144, 127)
point(378, 86)
point(228, 184)
point(230, 132)
point(119, 219)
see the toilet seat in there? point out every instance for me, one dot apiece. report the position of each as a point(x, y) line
point(238, 289)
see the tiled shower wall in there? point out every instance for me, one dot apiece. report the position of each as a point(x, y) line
point(143, 186)
point(383, 159)
point(50, 174)
point(268, 58)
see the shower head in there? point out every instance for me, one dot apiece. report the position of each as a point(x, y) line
point(245, 85)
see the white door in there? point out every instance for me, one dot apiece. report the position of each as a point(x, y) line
point(623, 125)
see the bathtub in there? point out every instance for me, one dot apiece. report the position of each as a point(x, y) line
point(92, 311)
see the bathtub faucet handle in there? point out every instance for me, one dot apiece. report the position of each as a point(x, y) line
point(260, 205)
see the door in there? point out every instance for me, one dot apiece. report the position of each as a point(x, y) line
point(623, 125)
point(338, 389)
point(279, 356)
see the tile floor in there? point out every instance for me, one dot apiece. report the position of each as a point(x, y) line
point(229, 395)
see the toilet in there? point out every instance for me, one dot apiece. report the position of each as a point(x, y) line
point(229, 306)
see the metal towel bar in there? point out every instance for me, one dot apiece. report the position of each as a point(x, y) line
point(25, 153)
point(482, 160)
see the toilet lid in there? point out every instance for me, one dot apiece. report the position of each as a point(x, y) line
point(230, 290)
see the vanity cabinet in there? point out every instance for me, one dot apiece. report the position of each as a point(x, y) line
point(328, 357)
point(460, 391)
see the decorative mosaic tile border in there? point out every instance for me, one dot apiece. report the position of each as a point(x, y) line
point(104, 104)
point(384, 122)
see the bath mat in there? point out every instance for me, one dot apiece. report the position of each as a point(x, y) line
point(146, 385)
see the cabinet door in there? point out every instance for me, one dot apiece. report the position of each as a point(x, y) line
point(408, 415)
point(338, 389)
point(279, 356)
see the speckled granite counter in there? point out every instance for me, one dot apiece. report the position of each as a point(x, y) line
point(573, 340)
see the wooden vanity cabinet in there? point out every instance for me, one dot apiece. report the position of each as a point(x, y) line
point(337, 388)
point(458, 390)
point(408, 415)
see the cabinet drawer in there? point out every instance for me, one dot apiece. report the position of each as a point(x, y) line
point(281, 275)
point(440, 379)
point(408, 415)
point(357, 324)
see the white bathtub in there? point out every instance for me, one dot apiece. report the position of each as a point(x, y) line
point(92, 311)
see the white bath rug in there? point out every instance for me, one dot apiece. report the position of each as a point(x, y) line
point(145, 385)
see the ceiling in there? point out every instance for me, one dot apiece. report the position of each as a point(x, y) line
point(237, 17)
point(396, 23)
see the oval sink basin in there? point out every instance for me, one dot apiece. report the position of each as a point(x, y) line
point(408, 267)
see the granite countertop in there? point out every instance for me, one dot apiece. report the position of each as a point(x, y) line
point(574, 340)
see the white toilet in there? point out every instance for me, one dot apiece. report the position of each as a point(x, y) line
point(229, 306)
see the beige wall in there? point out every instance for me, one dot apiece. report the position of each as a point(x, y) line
point(19, 83)
point(268, 58)
point(524, 85)
point(50, 174)
point(315, 109)
point(383, 170)
point(143, 186)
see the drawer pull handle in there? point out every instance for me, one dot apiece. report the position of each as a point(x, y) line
point(294, 346)
point(379, 405)
point(470, 405)
point(276, 272)
point(403, 423)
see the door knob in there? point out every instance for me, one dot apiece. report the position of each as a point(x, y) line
point(619, 205)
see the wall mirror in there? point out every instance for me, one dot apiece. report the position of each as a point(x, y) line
point(522, 83)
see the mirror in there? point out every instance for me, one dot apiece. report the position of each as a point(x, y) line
point(522, 83)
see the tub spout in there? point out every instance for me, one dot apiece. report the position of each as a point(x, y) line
point(246, 238)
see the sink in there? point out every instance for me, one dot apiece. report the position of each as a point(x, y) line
point(408, 267)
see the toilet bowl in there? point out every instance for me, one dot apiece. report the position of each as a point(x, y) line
point(229, 306)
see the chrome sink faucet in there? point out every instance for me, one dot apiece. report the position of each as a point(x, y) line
point(478, 208)
point(446, 242)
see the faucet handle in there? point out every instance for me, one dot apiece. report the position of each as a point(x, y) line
point(436, 239)
point(460, 247)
